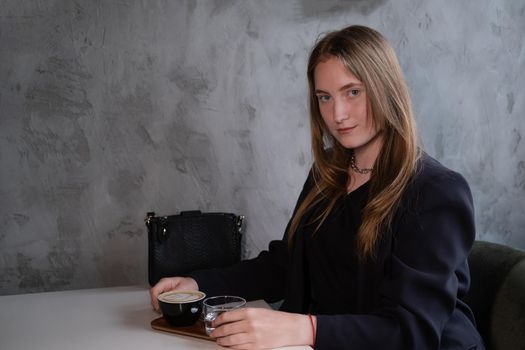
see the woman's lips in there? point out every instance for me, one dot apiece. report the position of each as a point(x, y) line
point(345, 130)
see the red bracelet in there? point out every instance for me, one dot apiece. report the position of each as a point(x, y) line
point(313, 330)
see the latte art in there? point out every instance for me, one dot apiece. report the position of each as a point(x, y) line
point(181, 297)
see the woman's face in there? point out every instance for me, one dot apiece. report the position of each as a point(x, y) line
point(343, 104)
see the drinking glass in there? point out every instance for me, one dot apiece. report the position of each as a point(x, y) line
point(214, 306)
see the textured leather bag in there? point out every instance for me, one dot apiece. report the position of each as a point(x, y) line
point(192, 240)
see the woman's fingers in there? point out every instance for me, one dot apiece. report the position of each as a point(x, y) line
point(226, 329)
point(170, 283)
point(231, 316)
point(233, 329)
point(162, 286)
point(238, 340)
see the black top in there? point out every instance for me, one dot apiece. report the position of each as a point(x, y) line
point(331, 261)
point(409, 297)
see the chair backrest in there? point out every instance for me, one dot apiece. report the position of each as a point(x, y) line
point(497, 294)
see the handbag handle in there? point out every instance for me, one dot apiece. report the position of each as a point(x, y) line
point(151, 215)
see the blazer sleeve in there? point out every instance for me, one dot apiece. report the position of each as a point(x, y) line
point(263, 277)
point(419, 289)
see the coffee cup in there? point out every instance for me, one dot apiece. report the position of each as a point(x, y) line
point(181, 308)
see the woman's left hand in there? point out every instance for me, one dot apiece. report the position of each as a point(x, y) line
point(254, 328)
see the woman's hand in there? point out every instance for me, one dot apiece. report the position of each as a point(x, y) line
point(254, 328)
point(171, 283)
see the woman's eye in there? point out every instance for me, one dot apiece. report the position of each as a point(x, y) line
point(323, 98)
point(353, 92)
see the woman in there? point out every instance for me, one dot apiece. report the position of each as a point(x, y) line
point(375, 255)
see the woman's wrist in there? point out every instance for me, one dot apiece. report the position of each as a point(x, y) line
point(313, 322)
point(306, 326)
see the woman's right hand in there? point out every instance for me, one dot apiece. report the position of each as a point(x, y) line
point(171, 283)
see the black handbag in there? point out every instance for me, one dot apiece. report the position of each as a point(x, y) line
point(192, 240)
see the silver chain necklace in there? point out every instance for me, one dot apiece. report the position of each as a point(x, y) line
point(354, 167)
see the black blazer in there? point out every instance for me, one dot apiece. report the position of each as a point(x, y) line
point(409, 297)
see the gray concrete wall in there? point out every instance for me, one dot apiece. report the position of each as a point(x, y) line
point(109, 109)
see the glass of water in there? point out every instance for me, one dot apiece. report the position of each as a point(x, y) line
point(214, 306)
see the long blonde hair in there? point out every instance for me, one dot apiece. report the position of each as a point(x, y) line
point(367, 55)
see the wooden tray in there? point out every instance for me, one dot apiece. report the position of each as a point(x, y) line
point(196, 331)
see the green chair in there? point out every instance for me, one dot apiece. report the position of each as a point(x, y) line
point(497, 294)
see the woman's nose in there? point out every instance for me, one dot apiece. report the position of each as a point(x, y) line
point(340, 111)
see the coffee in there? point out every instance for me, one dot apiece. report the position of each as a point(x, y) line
point(181, 297)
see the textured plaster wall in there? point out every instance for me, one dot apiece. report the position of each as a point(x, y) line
point(109, 109)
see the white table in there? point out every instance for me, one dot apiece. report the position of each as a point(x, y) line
point(104, 318)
